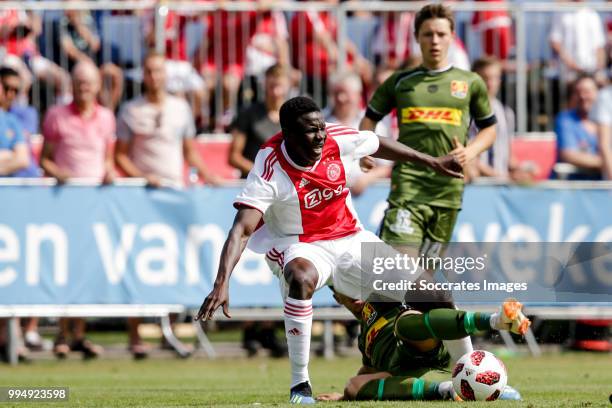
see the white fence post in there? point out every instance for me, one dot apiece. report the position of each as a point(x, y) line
point(161, 12)
point(13, 340)
point(521, 70)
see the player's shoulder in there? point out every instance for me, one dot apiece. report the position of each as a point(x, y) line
point(401, 76)
point(462, 74)
point(335, 129)
point(267, 157)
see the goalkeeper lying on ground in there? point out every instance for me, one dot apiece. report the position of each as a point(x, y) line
point(400, 344)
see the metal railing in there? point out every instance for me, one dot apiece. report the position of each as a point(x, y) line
point(531, 83)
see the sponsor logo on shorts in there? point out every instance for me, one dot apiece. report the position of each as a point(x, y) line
point(447, 116)
point(459, 89)
point(402, 222)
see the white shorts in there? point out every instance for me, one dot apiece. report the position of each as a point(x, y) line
point(338, 262)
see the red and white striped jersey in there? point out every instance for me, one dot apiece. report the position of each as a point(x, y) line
point(306, 204)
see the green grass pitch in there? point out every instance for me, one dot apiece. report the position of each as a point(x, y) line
point(566, 380)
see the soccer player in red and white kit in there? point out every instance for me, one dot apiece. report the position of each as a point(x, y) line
point(296, 208)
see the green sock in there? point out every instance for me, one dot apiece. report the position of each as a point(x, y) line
point(442, 324)
point(399, 389)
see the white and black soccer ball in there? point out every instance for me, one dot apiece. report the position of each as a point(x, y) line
point(479, 376)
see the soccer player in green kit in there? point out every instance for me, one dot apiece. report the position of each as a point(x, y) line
point(400, 344)
point(435, 103)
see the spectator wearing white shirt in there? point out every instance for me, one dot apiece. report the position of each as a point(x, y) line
point(578, 39)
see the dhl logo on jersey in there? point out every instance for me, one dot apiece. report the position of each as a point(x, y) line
point(447, 116)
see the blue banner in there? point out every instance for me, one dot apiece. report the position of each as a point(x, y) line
point(129, 245)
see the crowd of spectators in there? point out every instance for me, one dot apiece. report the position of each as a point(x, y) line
point(232, 76)
point(217, 61)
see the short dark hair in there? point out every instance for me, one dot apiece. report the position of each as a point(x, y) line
point(6, 72)
point(485, 62)
point(433, 11)
point(291, 110)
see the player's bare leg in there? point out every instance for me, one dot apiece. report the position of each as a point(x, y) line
point(302, 278)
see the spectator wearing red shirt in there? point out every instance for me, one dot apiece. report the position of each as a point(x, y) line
point(18, 32)
point(495, 28)
point(315, 52)
point(394, 40)
point(268, 46)
point(182, 79)
point(222, 53)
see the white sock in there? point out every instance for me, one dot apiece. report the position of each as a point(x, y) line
point(495, 322)
point(298, 326)
point(445, 389)
point(457, 348)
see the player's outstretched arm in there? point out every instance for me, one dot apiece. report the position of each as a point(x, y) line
point(245, 223)
point(391, 150)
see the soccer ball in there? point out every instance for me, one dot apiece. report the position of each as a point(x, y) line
point(479, 376)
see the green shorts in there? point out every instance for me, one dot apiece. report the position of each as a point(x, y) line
point(416, 224)
point(407, 361)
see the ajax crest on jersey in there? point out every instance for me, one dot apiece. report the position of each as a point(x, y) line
point(479, 376)
point(459, 89)
point(333, 172)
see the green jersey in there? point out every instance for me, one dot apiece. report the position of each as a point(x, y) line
point(381, 349)
point(432, 108)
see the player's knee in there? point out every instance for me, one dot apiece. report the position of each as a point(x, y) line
point(301, 277)
point(419, 344)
